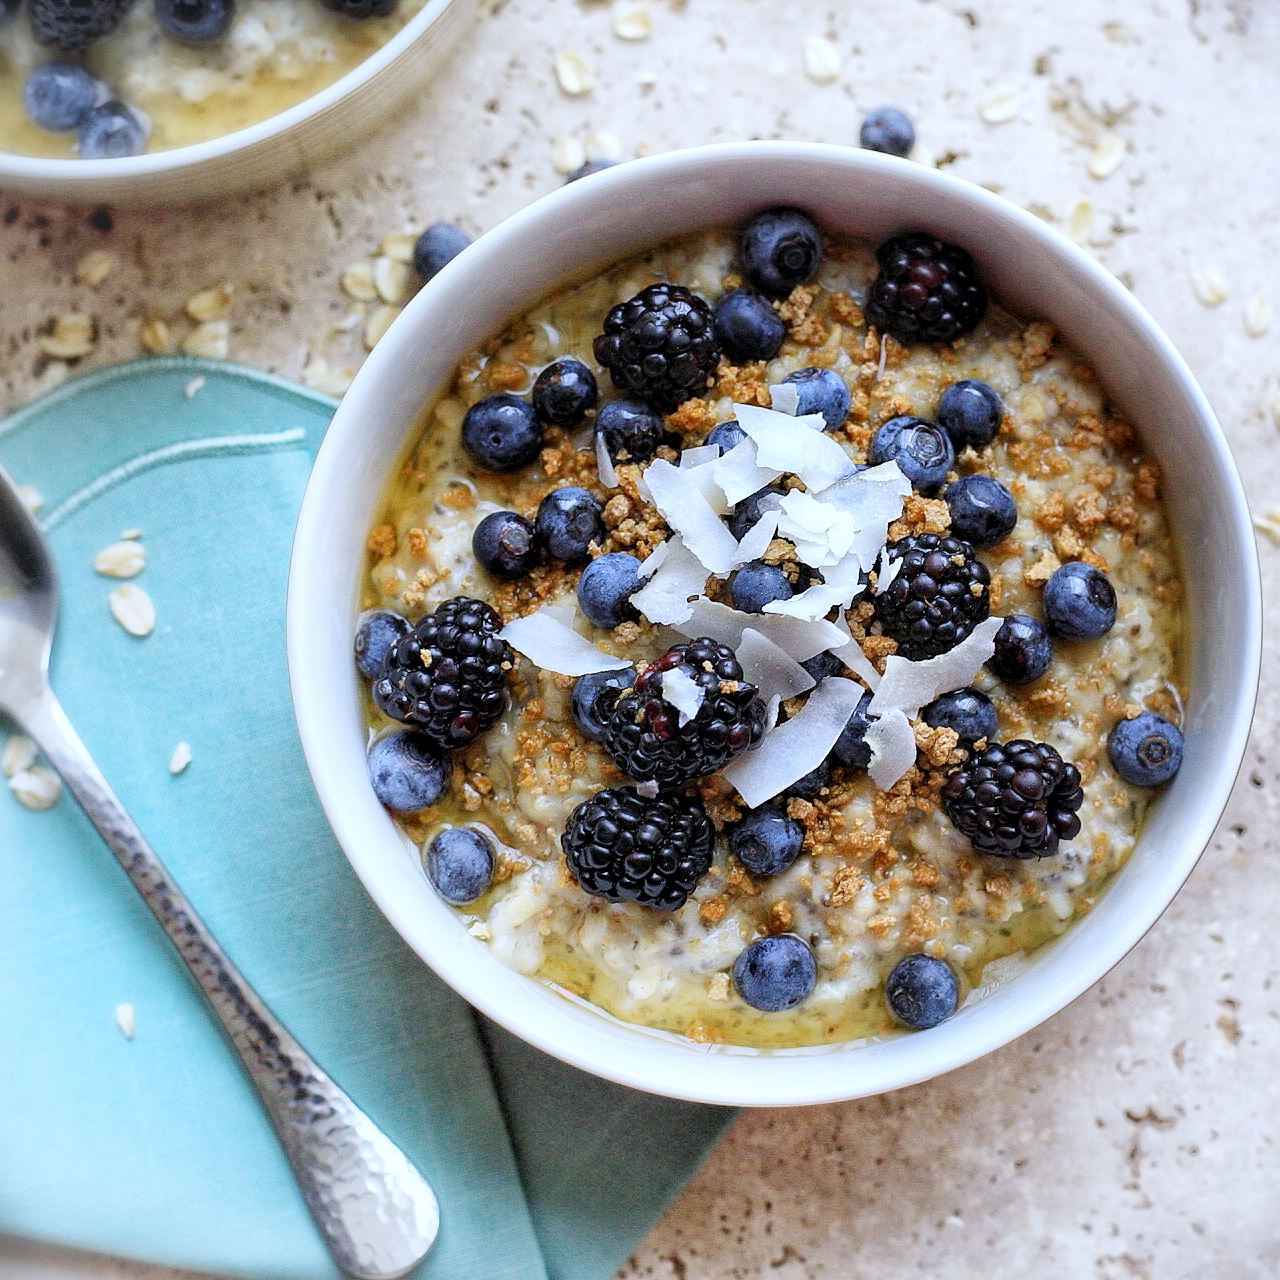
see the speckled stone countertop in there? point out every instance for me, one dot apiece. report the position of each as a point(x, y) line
point(1133, 1135)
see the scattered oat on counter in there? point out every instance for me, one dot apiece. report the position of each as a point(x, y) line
point(31, 498)
point(378, 322)
point(156, 337)
point(211, 339)
point(131, 607)
point(1002, 103)
point(1257, 316)
point(635, 22)
point(193, 386)
point(600, 144)
point(129, 534)
point(73, 336)
point(821, 60)
point(1210, 286)
point(357, 282)
point(398, 245)
point(180, 759)
point(569, 155)
point(1108, 155)
point(1275, 410)
point(1080, 222)
point(1269, 523)
point(125, 559)
point(211, 304)
point(126, 1020)
point(393, 280)
point(19, 753)
point(574, 72)
point(95, 267)
point(36, 787)
point(319, 376)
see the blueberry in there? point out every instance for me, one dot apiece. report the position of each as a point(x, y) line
point(728, 435)
point(377, 631)
point(441, 242)
point(748, 512)
point(982, 510)
point(587, 689)
point(505, 545)
point(822, 391)
point(195, 21)
point(1146, 750)
point(632, 430)
point(111, 132)
point(968, 711)
point(1023, 652)
point(460, 864)
point(888, 130)
point(851, 746)
point(569, 520)
point(747, 326)
point(970, 412)
point(775, 973)
point(1079, 602)
point(810, 786)
point(588, 168)
point(822, 665)
point(408, 771)
point(921, 449)
point(922, 991)
point(756, 584)
point(765, 840)
point(606, 585)
point(59, 96)
point(780, 249)
point(563, 392)
point(502, 432)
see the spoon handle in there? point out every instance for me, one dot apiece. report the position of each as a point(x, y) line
point(378, 1214)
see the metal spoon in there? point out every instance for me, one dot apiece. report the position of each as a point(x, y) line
point(378, 1214)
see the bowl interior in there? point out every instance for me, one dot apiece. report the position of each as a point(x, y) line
point(1036, 272)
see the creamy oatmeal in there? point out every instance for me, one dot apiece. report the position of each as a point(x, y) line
point(883, 872)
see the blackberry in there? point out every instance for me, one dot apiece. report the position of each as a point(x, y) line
point(73, 24)
point(1015, 799)
point(624, 848)
point(448, 676)
point(927, 290)
point(642, 730)
point(660, 345)
point(938, 596)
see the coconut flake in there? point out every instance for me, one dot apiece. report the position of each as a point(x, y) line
point(774, 672)
point(893, 748)
point(800, 638)
point(843, 585)
point(822, 534)
point(682, 505)
point(739, 474)
point(784, 397)
point(873, 499)
point(796, 445)
point(683, 692)
point(604, 464)
point(852, 656)
point(678, 577)
point(549, 641)
point(699, 455)
point(908, 686)
point(791, 750)
point(887, 571)
point(755, 542)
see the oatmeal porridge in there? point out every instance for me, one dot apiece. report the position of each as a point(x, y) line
point(780, 602)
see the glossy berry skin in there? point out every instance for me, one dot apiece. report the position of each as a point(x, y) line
point(439, 244)
point(460, 864)
point(939, 595)
point(920, 448)
point(1024, 650)
point(59, 96)
point(195, 22)
point(632, 430)
point(362, 8)
point(927, 290)
point(590, 167)
point(111, 132)
point(821, 391)
point(922, 991)
point(776, 973)
point(564, 392)
point(587, 688)
point(780, 248)
point(74, 24)
point(851, 747)
point(606, 586)
point(889, 131)
point(823, 665)
point(968, 711)
point(970, 412)
point(1079, 602)
point(747, 326)
point(765, 840)
point(983, 511)
point(726, 436)
point(408, 771)
point(505, 545)
point(748, 512)
point(502, 433)
point(1147, 750)
point(757, 584)
point(569, 520)
point(377, 631)
point(810, 786)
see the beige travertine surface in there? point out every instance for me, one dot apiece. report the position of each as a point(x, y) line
point(1134, 1134)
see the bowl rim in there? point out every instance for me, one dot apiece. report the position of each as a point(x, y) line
point(792, 1085)
point(75, 171)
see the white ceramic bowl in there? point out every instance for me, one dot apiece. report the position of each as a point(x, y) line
point(851, 193)
point(265, 153)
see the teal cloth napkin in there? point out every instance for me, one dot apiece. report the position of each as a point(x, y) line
point(154, 1147)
